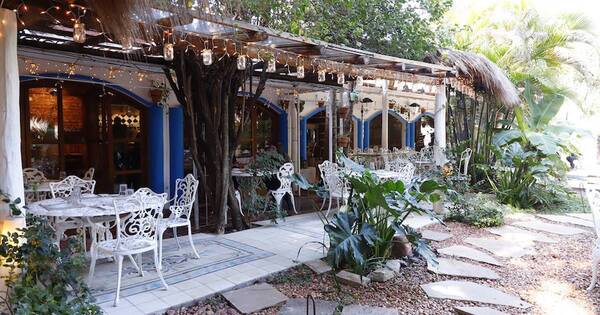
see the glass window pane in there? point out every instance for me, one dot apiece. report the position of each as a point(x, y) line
point(125, 122)
point(127, 156)
point(45, 158)
point(73, 118)
point(43, 115)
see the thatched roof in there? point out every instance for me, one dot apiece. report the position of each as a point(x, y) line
point(486, 76)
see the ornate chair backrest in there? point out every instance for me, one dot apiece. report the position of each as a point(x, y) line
point(426, 154)
point(284, 175)
point(332, 177)
point(33, 175)
point(89, 174)
point(325, 169)
point(137, 215)
point(64, 188)
point(185, 196)
point(593, 196)
point(463, 164)
point(404, 168)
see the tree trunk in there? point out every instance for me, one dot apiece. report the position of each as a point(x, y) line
point(209, 96)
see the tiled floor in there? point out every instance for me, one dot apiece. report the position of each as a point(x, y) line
point(227, 261)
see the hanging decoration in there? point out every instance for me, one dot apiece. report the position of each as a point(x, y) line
point(359, 80)
point(207, 57)
point(241, 62)
point(321, 75)
point(168, 51)
point(341, 78)
point(272, 64)
point(300, 67)
point(79, 32)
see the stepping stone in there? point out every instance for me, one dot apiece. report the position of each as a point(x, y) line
point(516, 234)
point(477, 310)
point(254, 298)
point(382, 274)
point(567, 219)
point(298, 307)
point(418, 221)
point(549, 227)
point(435, 235)
point(458, 268)
point(473, 292)
point(470, 253)
point(318, 266)
point(583, 216)
point(353, 279)
point(371, 310)
point(502, 248)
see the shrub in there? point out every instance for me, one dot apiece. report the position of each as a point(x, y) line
point(479, 210)
point(41, 278)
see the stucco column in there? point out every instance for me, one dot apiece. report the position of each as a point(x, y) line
point(11, 170)
point(384, 115)
point(330, 104)
point(440, 125)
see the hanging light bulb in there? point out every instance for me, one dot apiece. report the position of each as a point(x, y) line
point(321, 75)
point(272, 65)
point(300, 71)
point(79, 32)
point(359, 80)
point(341, 78)
point(168, 52)
point(241, 62)
point(207, 57)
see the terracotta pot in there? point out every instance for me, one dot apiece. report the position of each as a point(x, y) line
point(343, 142)
point(423, 110)
point(321, 103)
point(343, 111)
point(400, 247)
point(391, 105)
point(156, 95)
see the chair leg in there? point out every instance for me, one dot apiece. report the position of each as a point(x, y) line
point(160, 245)
point(158, 270)
point(93, 258)
point(278, 198)
point(595, 262)
point(323, 204)
point(238, 196)
point(293, 201)
point(136, 266)
point(328, 208)
point(189, 226)
point(176, 239)
point(119, 273)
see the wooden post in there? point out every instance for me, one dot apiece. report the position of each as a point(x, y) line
point(440, 126)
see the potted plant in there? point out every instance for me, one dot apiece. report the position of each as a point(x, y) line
point(321, 103)
point(343, 111)
point(343, 141)
point(391, 104)
point(159, 93)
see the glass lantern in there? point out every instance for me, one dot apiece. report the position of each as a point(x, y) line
point(79, 32)
point(341, 78)
point(207, 57)
point(241, 62)
point(168, 52)
point(300, 71)
point(359, 80)
point(272, 65)
point(321, 75)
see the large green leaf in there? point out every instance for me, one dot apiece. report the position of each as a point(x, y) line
point(505, 137)
point(543, 111)
point(544, 142)
point(345, 245)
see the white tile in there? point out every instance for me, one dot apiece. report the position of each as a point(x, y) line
point(220, 285)
point(140, 298)
point(152, 306)
point(129, 310)
point(199, 292)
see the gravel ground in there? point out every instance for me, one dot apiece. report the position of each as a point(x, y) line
point(554, 281)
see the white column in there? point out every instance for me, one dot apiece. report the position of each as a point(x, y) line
point(384, 115)
point(11, 170)
point(440, 125)
point(329, 110)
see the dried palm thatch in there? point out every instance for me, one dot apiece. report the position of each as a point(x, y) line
point(130, 21)
point(485, 75)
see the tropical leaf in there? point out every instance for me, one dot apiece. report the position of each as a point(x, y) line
point(345, 245)
point(546, 143)
point(505, 137)
point(544, 111)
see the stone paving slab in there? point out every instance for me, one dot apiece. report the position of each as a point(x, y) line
point(368, 310)
point(435, 235)
point(254, 298)
point(583, 216)
point(477, 310)
point(469, 253)
point(502, 248)
point(298, 307)
point(353, 279)
point(567, 219)
point(470, 291)
point(516, 234)
point(318, 266)
point(549, 227)
point(453, 267)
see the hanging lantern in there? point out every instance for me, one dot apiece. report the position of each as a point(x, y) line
point(168, 52)
point(300, 71)
point(207, 57)
point(272, 65)
point(359, 80)
point(341, 78)
point(79, 32)
point(241, 62)
point(321, 75)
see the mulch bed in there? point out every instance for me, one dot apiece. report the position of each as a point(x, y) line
point(553, 281)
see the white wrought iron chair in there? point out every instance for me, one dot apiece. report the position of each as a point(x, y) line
point(181, 208)
point(404, 168)
point(335, 184)
point(31, 178)
point(64, 188)
point(89, 174)
point(284, 176)
point(593, 196)
point(463, 164)
point(136, 220)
